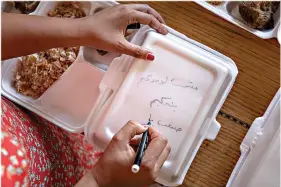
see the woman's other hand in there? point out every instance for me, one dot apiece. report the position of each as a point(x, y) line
point(114, 167)
point(106, 29)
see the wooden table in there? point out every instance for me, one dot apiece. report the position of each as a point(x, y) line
point(257, 82)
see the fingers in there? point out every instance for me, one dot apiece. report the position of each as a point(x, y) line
point(128, 131)
point(98, 9)
point(129, 32)
point(163, 157)
point(135, 141)
point(156, 145)
point(147, 9)
point(126, 47)
point(148, 19)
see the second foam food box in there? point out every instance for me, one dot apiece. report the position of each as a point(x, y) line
point(182, 90)
point(259, 163)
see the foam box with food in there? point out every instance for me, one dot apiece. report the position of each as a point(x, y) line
point(261, 18)
point(69, 106)
point(183, 89)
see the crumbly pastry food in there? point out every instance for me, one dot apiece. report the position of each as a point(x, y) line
point(259, 14)
point(36, 73)
point(26, 7)
point(68, 10)
point(215, 3)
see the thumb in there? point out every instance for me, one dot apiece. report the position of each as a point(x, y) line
point(137, 51)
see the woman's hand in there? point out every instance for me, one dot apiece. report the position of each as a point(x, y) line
point(106, 29)
point(114, 167)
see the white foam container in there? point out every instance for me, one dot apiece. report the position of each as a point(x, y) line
point(229, 11)
point(89, 99)
point(64, 107)
point(259, 163)
point(122, 94)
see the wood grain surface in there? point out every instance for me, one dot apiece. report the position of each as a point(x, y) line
point(258, 61)
point(215, 160)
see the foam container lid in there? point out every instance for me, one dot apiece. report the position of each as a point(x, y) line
point(259, 163)
point(183, 90)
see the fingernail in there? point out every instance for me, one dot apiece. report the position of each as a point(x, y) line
point(165, 31)
point(150, 57)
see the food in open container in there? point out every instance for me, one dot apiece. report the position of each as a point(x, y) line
point(264, 27)
point(68, 10)
point(36, 73)
point(19, 7)
point(216, 3)
point(258, 15)
point(26, 7)
point(188, 81)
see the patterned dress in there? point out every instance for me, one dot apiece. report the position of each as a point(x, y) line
point(36, 153)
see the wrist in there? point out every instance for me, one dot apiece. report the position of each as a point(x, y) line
point(83, 31)
point(75, 34)
point(96, 174)
point(87, 180)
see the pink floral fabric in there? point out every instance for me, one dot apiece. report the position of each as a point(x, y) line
point(50, 156)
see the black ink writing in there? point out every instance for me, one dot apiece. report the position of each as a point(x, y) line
point(175, 82)
point(189, 85)
point(150, 79)
point(166, 101)
point(159, 122)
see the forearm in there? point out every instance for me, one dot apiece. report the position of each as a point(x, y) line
point(87, 181)
point(23, 34)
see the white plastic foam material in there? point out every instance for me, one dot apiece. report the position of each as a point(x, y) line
point(183, 89)
point(259, 164)
point(229, 11)
point(167, 98)
point(65, 103)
